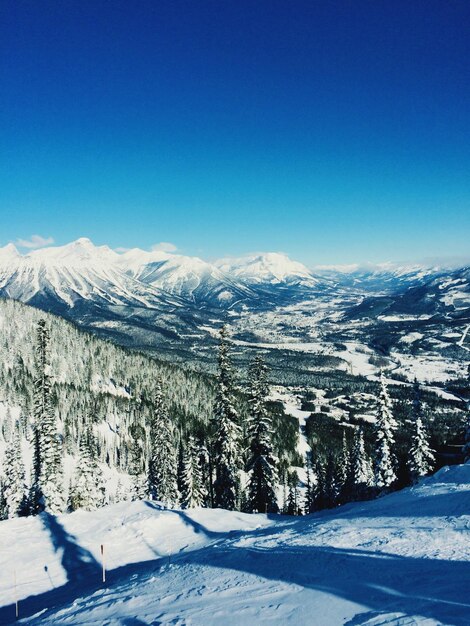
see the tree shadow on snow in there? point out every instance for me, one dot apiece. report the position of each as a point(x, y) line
point(78, 563)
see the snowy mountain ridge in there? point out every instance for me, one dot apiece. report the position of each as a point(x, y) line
point(184, 275)
point(400, 560)
point(167, 301)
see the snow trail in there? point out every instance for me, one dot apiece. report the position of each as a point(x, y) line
point(400, 560)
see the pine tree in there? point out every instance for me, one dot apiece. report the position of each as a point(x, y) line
point(193, 492)
point(121, 494)
point(292, 502)
point(162, 473)
point(309, 499)
point(227, 432)
point(332, 485)
point(262, 462)
point(14, 489)
point(319, 487)
point(361, 476)
point(136, 466)
point(384, 465)
point(48, 446)
point(291, 505)
point(421, 457)
point(466, 446)
point(87, 491)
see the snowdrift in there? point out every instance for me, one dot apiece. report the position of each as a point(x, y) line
point(403, 559)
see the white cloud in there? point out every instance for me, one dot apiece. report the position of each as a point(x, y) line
point(36, 241)
point(121, 249)
point(164, 246)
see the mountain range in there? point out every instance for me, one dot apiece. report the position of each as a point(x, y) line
point(171, 302)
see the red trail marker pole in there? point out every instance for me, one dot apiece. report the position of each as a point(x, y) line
point(103, 563)
point(17, 612)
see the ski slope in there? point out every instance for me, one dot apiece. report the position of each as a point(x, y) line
point(401, 560)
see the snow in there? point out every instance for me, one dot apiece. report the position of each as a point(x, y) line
point(271, 267)
point(401, 559)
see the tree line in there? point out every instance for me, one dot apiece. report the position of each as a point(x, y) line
point(231, 464)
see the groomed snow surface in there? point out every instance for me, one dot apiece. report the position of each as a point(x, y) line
point(403, 559)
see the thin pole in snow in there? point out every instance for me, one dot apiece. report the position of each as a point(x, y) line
point(103, 563)
point(15, 595)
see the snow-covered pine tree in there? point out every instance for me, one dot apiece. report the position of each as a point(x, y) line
point(319, 487)
point(262, 461)
point(361, 475)
point(309, 498)
point(7, 426)
point(14, 488)
point(332, 484)
point(226, 445)
point(291, 505)
point(421, 457)
point(162, 472)
point(48, 444)
point(384, 463)
point(136, 462)
point(192, 492)
point(121, 494)
point(87, 490)
point(466, 446)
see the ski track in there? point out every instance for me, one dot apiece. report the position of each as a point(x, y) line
point(401, 560)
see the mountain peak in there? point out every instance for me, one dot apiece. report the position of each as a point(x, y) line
point(83, 250)
point(9, 252)
point(274, 267)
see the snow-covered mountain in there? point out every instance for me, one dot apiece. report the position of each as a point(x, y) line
point(189, 277)
point(175, 302)
point(271, 268)
point(380, 277)
point(400, 560)
point(70, 274)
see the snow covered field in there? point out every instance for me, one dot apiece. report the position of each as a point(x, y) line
point(400, 560)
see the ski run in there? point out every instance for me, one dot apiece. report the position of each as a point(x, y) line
point(402, 559)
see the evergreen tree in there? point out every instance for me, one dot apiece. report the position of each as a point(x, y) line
point(121, 494)
point(192, 492)
point(7, 426)
point(291, 505)
point(361, 475)
point(162, 473)
point(421, 457)
point(136, 462)
point(466, 446)
point(320, 500)
point(262, 462)
point(309, 499)
point(384, 465)
point(48, 446)
point(87, 491)
point(3, 503)
point(227, 432)
point(332, 485)
point(14, 489)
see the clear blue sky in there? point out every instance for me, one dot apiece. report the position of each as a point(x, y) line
point(334, 131)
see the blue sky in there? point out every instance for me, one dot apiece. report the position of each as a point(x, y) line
point(334, 131)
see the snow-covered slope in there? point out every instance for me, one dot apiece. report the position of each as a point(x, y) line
point(401, 560)
point(185, 276)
